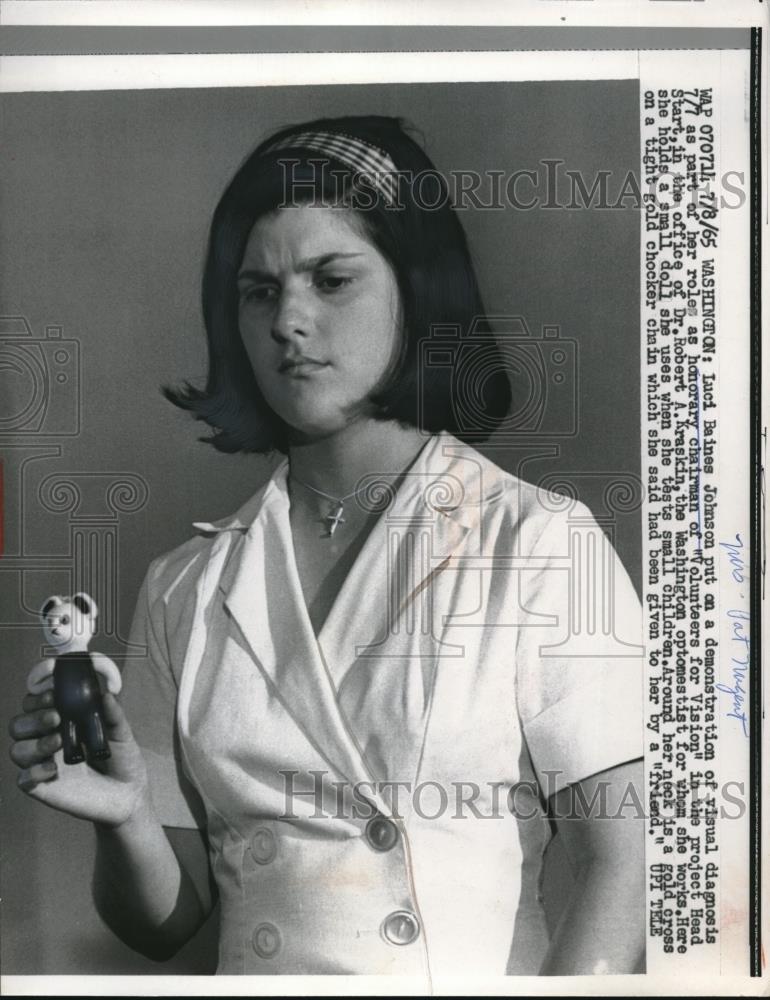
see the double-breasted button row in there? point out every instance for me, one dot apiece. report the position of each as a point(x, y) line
point(381, 833)
point(263, 845)
point(400, 927)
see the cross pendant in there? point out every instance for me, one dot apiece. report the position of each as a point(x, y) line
point(334, 519)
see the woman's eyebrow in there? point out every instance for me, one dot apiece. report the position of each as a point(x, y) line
point(309, 264)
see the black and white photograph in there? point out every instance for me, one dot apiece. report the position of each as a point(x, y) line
point(376, 507)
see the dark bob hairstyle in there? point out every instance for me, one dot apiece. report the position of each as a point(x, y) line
point(422, 239)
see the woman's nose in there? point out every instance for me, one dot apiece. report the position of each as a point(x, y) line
point(292, 316)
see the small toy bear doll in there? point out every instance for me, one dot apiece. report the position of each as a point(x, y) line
point(68, 625)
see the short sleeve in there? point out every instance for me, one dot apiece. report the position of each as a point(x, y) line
point(149, 699)
point(579, 654)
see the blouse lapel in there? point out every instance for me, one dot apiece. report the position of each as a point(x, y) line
point(409, 544)
point(387, 591)
point(265, 598)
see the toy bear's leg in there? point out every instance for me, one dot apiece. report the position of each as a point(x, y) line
point(73, 753)
point(97, 746)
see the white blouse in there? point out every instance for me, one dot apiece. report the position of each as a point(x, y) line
point(484, 651)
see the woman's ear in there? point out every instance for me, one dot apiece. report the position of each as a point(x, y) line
point(85, 604)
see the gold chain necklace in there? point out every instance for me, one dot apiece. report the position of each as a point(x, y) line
point(334, 517)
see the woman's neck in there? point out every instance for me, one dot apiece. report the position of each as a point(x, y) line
point(335, 464)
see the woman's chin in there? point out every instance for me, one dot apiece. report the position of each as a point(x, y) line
point(306, 427)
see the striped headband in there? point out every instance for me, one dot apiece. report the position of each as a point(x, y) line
point(362, 157)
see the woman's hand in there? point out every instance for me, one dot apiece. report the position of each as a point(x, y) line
point(141, 889)
point(110, 792)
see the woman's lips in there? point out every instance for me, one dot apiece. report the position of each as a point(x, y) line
point(301, 368)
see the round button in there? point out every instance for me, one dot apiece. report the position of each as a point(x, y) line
point(263, 846)
point(400, 927)
point(381, 833)
point(266, 940)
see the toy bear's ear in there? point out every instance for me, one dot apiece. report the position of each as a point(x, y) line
point(51, 603)
point(85, 604)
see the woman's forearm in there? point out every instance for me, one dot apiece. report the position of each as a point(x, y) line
point(140, 889)
point(602, 929)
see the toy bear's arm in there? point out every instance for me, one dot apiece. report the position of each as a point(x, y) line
point(103, 665)
point(40, 677)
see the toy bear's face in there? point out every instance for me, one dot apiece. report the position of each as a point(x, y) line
point(69, 621)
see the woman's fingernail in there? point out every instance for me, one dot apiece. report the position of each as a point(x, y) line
point(49, 766)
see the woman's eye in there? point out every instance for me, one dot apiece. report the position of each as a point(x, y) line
point(65, 620)
point(258, 293)
point(332, 282)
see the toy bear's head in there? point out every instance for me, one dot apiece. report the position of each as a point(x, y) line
point(69, 622)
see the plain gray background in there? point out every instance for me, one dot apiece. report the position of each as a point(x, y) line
point(107, 200)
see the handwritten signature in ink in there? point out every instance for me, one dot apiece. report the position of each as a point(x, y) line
point(739, 620)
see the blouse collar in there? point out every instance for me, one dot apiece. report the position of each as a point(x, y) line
point(441, 476)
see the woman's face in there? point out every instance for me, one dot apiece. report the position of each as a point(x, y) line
point(319, 315)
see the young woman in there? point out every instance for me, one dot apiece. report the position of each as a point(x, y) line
point(367, 694)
